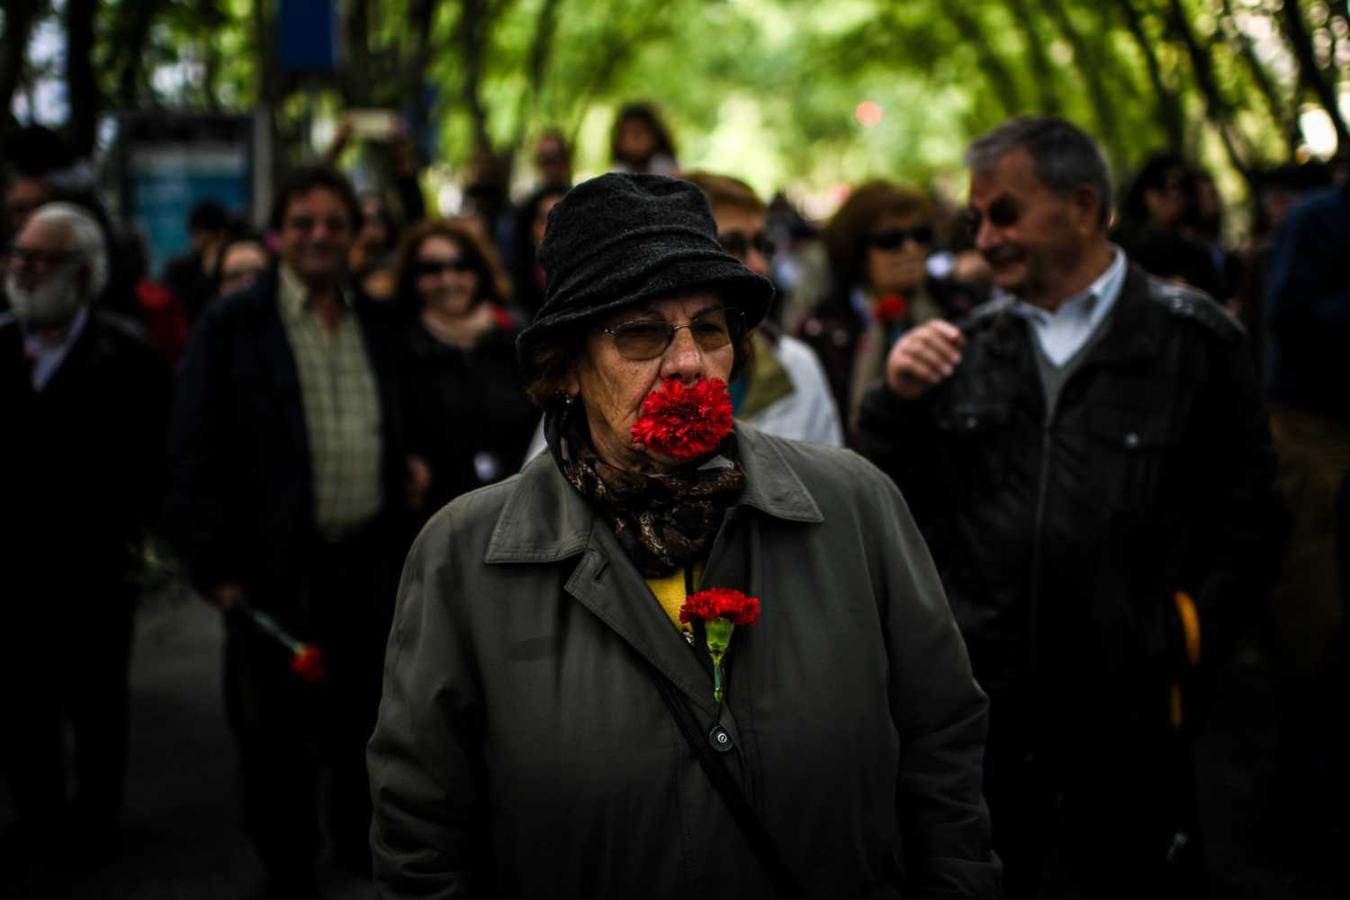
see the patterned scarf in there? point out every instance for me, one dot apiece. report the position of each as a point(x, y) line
point(664, 522)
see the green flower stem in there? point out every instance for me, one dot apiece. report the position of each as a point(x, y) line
point(719, 641)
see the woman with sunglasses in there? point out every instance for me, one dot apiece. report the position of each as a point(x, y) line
point(468, 421)
point(878, 244)
point(675, 656)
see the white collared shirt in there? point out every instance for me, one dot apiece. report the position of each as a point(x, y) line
point(47, 353)
point(1063, 333)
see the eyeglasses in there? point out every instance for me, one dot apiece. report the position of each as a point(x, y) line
point(739, 244)
point(712, 329)
point(24, 257)
point(336, 224)
point(441, 266)
point(1004, 212)
point(895, 238)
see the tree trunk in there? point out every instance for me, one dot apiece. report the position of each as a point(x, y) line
point(1169, 105)
point(472, 32)
point(132, 34)
point(541, 48)
point(1217, 109)
point(19, 18)
point(1300, 41)
point(996, 71)
point(1089, 69)
point(1284, 114)
point(81, 86)
point(1042, 70)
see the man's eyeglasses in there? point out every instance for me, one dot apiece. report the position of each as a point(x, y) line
point(441, 266)
point(335, 224)
point(642, 339)
point(895, 238)
point(1002, 213)
point(739, 244)
point(24, 257)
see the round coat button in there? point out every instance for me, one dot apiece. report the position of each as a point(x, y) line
point(720, 740)
point(1132, 440)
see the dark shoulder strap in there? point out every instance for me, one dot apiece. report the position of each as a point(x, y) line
point(780, 876)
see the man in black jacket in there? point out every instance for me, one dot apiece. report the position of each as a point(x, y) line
point(1090, 461)
point(287, 482)
point(86, 403)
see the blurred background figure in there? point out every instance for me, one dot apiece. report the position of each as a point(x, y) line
point(784, 390)
point(243, 260)
point(553, 159)
point(190, 277)
point(1308, 318)
point(640, 141)
point(372, 256)
point(86, 405)
point(527, 231)
point(467, 419)
point(1154, 217)
point(878, 243)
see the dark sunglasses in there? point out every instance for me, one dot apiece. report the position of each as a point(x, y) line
point(1003, 213)
point(642, 339)
point(739, 244)
point(895, 238)
point(23, 257)
point(439, 266)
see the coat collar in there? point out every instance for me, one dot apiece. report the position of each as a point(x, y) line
point(545, 520)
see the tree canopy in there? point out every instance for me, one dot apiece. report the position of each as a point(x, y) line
point(771, 90)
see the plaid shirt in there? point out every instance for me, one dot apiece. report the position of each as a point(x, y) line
point(341, 408)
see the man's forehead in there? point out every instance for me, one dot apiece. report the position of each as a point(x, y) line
point(730, 217)
point(45, 234)
point(1013, 172)
point(316, 198)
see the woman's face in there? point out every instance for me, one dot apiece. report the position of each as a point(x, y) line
point(636, 141)
point(612, 387)
point(241, 266)
point(446, 281)
point(541, 216)
point(897, 253)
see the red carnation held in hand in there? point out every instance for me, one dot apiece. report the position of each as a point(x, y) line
point(685, 422)
point(307, 662)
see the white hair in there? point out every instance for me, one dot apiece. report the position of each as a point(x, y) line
point(86, 239)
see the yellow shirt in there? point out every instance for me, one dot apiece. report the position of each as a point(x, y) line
point(670, 593)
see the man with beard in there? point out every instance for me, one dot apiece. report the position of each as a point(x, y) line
point(85, 401)
point(286, 493)
point(1090, 461)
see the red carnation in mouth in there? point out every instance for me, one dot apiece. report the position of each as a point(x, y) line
point(685, 422)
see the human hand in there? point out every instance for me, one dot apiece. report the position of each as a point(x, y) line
point(923, 357)
point(419, 479)
point(225, 597)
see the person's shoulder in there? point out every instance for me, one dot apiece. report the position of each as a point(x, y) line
point(469, 519)
point(244, 305)
point(821, 467)
point(1185, 303)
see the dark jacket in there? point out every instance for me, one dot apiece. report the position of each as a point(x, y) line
point(241, 504)
point(83, 459)
point(465, 411)
point(523, 749)
point(1062, 537)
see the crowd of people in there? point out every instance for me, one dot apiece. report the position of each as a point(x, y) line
point(1120, 443)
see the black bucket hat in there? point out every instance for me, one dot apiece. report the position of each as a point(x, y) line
point(619, 239)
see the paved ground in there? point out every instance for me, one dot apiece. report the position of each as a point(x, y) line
point(182, 837)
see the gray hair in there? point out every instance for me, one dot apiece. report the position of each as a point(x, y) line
point(86, 239)
point(1064, 156)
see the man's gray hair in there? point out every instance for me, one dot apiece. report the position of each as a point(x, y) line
point(86, 239)
point(1064, 156)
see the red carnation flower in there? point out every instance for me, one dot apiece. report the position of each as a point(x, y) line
point(685, 422)
point(720, 603)
point(307, 662)
point(891, 308)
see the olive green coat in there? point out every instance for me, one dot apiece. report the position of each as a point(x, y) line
point(523, 750)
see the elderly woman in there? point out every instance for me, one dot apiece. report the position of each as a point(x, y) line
point(672, 658)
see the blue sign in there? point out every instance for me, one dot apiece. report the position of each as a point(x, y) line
point(307, 35)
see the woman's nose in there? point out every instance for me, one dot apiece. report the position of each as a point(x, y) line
point(683, 358)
